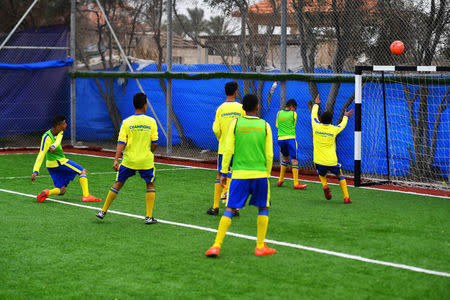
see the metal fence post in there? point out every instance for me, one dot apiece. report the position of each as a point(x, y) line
point(283, 52)
point(169, 81)
point(73, 109)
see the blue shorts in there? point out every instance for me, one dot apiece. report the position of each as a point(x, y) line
point(219, 164)
point(288, 148)
point(241, 189)
point(125, 173)
point(323, 170)
point(64, 174)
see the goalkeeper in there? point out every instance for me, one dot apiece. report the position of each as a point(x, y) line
point(324, 140)
point(226, 112)
point(62, 170)
point(286, 121)
point(250, 140)
point(138, 138)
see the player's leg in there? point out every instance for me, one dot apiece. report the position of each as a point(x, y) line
point(342, 184)
point(284, 160)
point(150, 195)
point(223, 194)
point(87, 197)
point(293, 149)
point(260, 190)
point(214, 210)
point(59, 181)
point(322, 172)
point(122, 175)
point(72, 169)
point(238, 194)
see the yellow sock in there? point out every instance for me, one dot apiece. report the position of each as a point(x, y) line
point(217, 191)
point(84, 185)
point(283, 168)
point(112, 194)
point(343, 184)
point(323, 180)
point(55, 191)
point(150, 197)
point(224, 224)
point(262, 223)
point(295, 174)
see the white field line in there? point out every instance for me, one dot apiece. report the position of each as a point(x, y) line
point(93, 173)
point(248, 237)
point(314, 181)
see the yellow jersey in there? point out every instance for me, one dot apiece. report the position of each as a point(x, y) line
point(137, 132)
point(226, 112)
point(53, 160)
point(324, 139)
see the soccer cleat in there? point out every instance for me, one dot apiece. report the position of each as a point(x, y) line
point(279, 183)
point(347, 201)
point(327, 193)
point(101, 214)
point(42, 195)
point(213, 252)
point(264, 251)
point(236, 213)
point(213, 211)
point(91, 198)
point(300, 186)
point(149, 221)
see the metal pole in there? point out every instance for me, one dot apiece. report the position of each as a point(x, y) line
point(386, 128)
point(169, 81)
point(18, 24)
point(128, 64)
point(358, 102)
point(73, 108)
point(283, 52)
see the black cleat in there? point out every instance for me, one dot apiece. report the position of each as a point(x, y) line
point(213, 211)
point(101, 214)
point(149, 221)
point(236, 213)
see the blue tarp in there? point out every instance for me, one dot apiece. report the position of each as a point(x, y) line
point(195, 102)
point(58, 63)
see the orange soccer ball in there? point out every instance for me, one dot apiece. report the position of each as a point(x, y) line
point(397, 47)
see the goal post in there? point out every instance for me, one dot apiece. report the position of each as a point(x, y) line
point(402, 125)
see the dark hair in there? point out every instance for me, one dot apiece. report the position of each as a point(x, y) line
point(249, 102)
point(58, 119)
point(326, 117)
point(291, 102)
point(139, 100)
point(230, 88)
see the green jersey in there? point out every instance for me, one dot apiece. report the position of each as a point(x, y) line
point(286, 120)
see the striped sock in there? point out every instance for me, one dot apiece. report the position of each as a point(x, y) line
point(343, 184)
point(224, 224)
point(295, 173)
point(112, 194)
point(150, 198)
point(283, 168)
point(262, 224)
point(55, 191)
point(84, 185)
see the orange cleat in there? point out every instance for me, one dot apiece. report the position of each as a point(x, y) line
point(91, 198)
point(213, 252)
point(327, 193)
point(42, 196)
point(300, 186)
point(264, 251)
point(280, 183)
point(347, 201)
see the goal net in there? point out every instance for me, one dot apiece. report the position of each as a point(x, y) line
point(402, 125)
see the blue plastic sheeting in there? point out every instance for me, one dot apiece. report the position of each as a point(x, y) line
point(58, 63)
point(195, 103)
point(30, 98)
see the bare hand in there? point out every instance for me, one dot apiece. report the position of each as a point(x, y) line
point(52, 149)
point(33, 177)
point(349, 113)
point(317, 101)
point(223, 180)
point(116, 165)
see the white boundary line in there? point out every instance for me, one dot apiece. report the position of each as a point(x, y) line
point(248, 237)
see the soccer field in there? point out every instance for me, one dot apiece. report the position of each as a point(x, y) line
point(55, 249)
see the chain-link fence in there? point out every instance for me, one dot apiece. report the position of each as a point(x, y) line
point(326, 37)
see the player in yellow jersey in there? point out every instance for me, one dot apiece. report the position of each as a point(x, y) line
point(138, 138)
point(62, 170)
point(250, 141)
point(227, 111)
point(286, 121)
point(324, 139)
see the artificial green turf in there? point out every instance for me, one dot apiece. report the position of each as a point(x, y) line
point(50, 250)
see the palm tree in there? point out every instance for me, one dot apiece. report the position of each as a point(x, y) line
point(219, 26)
